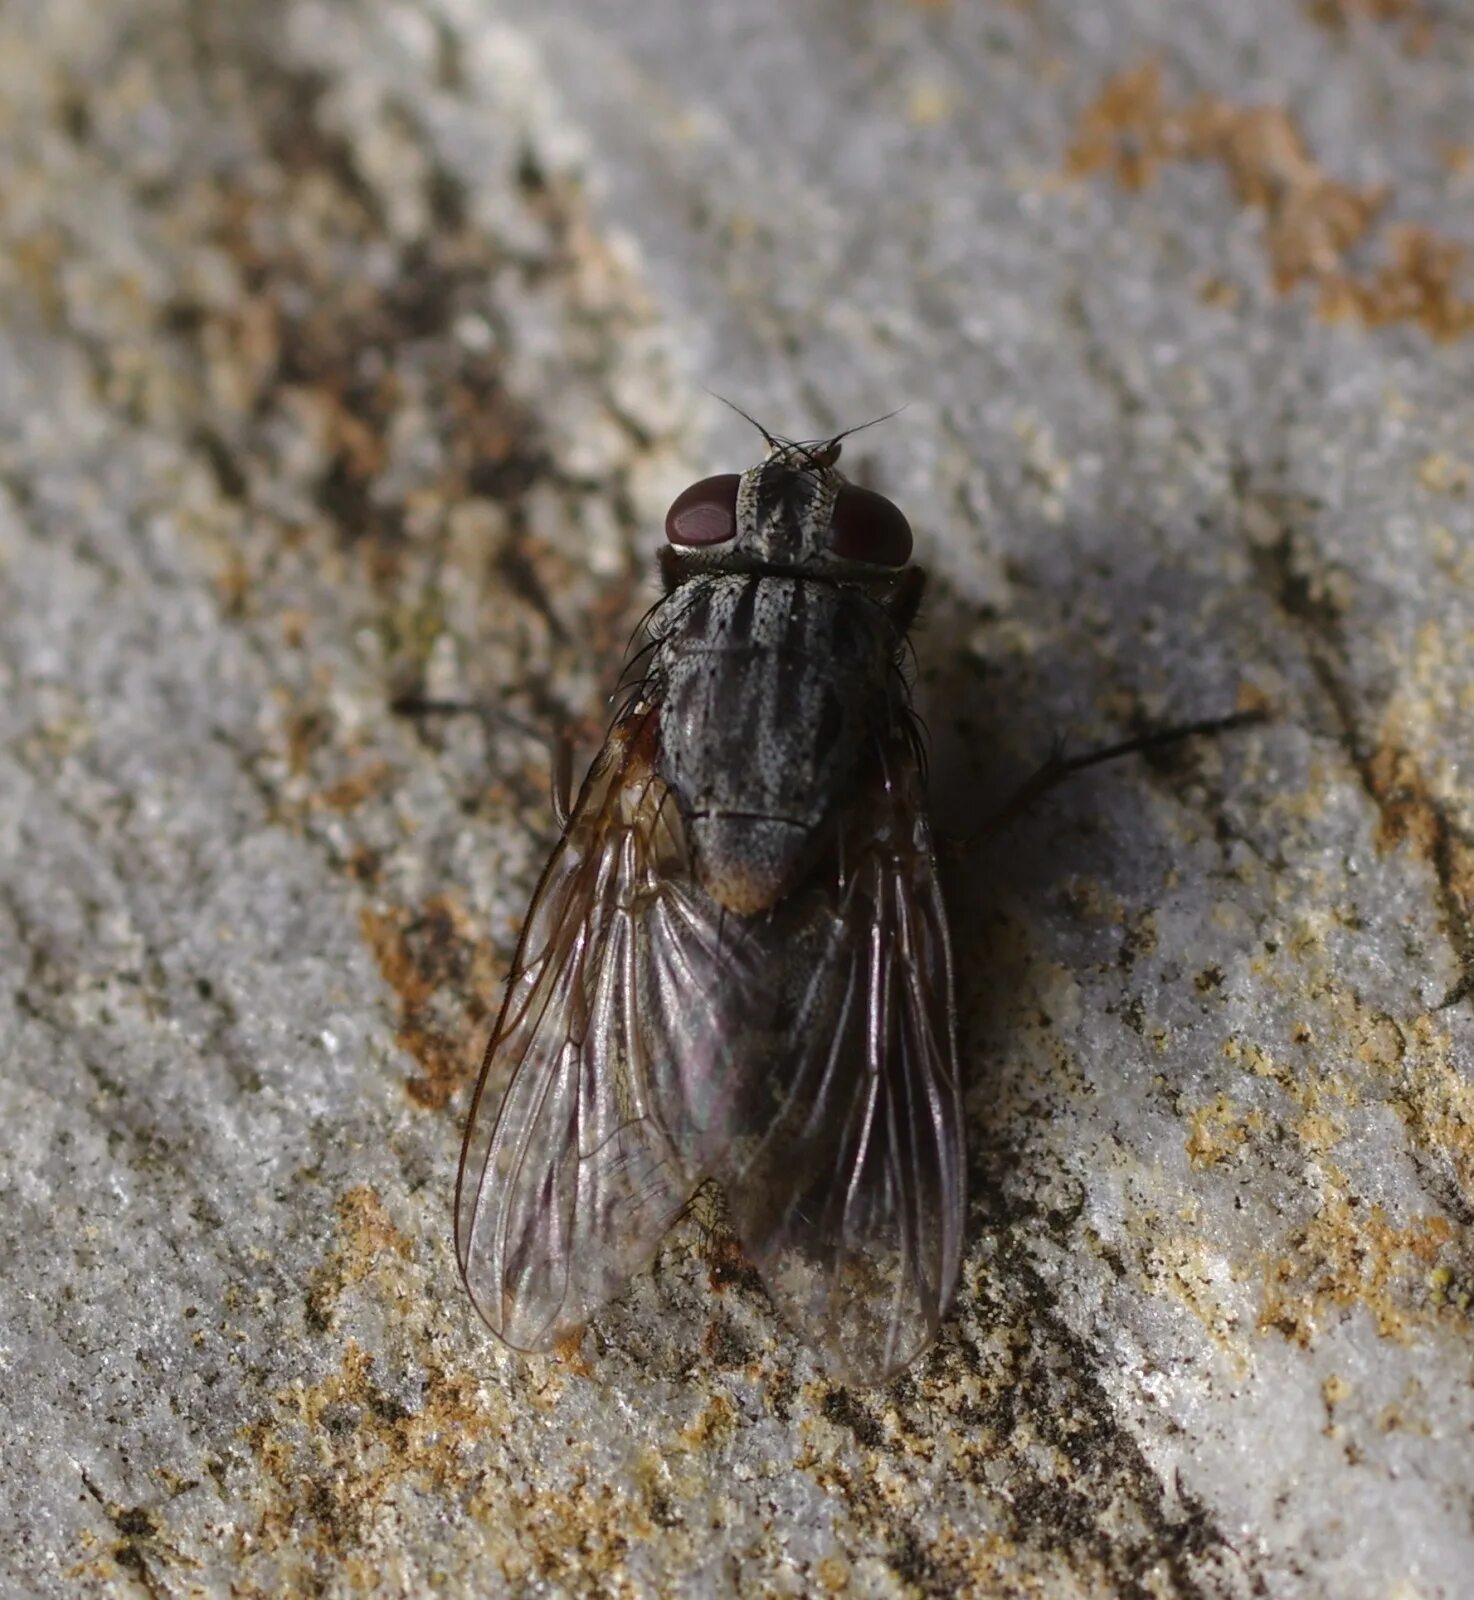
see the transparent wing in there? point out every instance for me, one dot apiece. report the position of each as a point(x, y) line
point(849, 1193)
point(569, 1178)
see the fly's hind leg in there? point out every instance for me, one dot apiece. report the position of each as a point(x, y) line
point(1060, 767)
point(718, 1247)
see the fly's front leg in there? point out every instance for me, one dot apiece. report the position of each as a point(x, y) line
point(561, 778)
point(560, 740)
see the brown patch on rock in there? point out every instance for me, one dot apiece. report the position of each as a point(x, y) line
point(342, 1448)
point(1413, 15)
point(1218, 1130)
point(368, 1230)
point(1435, 1097)
point(1312, 222)
point(313, 349)
point(367, 1234)
point(442, 973)
point(307, 732)
point(364, 864)
point(349, 793)
point(1347, 1256)
point(1419, 284)
point(1410, 813)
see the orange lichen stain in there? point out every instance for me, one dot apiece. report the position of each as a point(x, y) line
point(442, 974)
point(1411, 1065)
point(367, 1235)
point(569, 1351)
point(572, 1541)
point(1413, 15)
point(1312, 222)
point(1410, 813)
point(295, 623)
point(1120, 131)
point(1441, 473)
point(306, 733)
point(832, 1574)
point(1219, 1130)
point(1188, 1268)
point(716, 1421)
point(1334, 1390)
point(1349, 1255)
point(291, 348)
point(1419, 284)
point(349, 793)
point(442, 1060)
point(928, 104)
point(1219, 292)
point(367, 1228)
point(1318, 1132)
point(1319, 1096)
point(1254, 1058)
point(1405, 812)
point(341, 1450)
point(1435, 1098)
point(233, 585)
point(363, 863)
point(1087, 900)
point(1380, 1042)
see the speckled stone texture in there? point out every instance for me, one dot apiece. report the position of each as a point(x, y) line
point(351, 349)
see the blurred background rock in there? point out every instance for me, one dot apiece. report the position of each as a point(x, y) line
point(354, 349)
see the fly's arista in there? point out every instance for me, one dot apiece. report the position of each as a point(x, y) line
point(736, 965)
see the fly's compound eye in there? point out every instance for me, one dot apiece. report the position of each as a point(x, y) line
point(865, 526)
point(706, 513)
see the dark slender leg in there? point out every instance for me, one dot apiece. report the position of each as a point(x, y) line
point(562, 779)
point(1059, 766)
point(561, 775)
point(423, 705)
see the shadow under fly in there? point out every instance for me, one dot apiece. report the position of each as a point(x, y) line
point(736, 966)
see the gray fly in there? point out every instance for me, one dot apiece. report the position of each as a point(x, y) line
point(736, 965)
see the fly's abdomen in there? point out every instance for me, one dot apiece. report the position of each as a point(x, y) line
point(769, 686)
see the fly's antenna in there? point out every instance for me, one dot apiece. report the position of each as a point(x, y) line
point(860, 427)
point(819, 453)
point(774, 441)
point(825, 452)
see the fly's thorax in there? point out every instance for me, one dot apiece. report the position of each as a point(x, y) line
point(769, 687)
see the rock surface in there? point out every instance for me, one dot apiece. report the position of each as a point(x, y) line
point(349, 349)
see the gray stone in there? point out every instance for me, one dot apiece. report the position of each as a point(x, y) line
point(352, 348)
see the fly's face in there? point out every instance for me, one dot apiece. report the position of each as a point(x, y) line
point(736, 965)
point(793, 512)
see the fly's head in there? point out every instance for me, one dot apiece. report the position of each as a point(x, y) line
point(794, 513)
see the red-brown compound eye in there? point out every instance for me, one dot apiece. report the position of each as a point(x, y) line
point(706, 513)
point(868, 527)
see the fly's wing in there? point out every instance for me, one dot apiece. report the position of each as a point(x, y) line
point(849, 1192)
point(568, 1183)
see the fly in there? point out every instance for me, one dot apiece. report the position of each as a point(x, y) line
point(736, 965)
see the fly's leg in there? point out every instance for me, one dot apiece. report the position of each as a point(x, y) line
point(1060, 767)
point(560, 778)
point(719, 1248)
